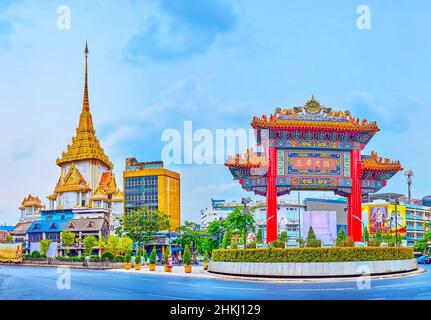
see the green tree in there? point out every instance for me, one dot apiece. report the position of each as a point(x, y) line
point(167, 254)
point(138, 256)
point(227, 240)
point(44, 246)
point(89, 242)
point(153, 256)
point(237, 219)
point(366, 235)
point(113, 245)
point(189, 234)
point(215, 230)
point(125, 245)
point(142, 224)
point(283, 236)
point(186, 256)
point(378, 235)
point(311, 235)
point(145, 255)
point(341, 235)
point(9, 238)
point(68, 239)
point(259, 236)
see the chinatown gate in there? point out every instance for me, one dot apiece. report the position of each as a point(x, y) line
point(312, 147)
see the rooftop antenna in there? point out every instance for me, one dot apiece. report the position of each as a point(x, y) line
point(409, 175)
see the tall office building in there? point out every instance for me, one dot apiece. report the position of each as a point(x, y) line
point(150, 184)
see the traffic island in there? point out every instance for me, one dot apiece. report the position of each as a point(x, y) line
point(313, 262)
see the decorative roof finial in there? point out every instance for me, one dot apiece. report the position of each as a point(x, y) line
point(85, 119)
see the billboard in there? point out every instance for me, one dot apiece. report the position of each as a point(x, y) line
point(384, 217)
point(11, 252)
point(324, 224)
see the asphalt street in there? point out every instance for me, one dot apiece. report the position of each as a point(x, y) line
point(50, 283)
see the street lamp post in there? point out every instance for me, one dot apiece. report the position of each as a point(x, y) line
point(244, 201)
point(397, 202)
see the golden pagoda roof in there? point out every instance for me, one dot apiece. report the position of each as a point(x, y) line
point(313, 116)
point(31, 201)
point(73, 181)
point(99, 195)
point(85, 144)
point(250, 159)
point(376, 163)
point(118, 196)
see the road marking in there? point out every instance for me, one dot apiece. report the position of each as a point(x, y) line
point(164, 296)
point(120, 289)
point(237, 288)
point(400, 285)
point(324, 289)
point(424, 294)
point(185, 284)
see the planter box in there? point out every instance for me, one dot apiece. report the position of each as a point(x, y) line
point(313, 269)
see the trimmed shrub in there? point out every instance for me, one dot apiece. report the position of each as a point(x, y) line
point(108, 256)
point(341, 236)
point(347, 242)
point(277, 244)
point(187, 256)
point(340, 254)
point(283, 236)
point(313, 243)
point(128, 257)
point(36, 254)
point(373, 243)
point(153, 256)
point(251, 245)
point(311, 235)
point(119, 258)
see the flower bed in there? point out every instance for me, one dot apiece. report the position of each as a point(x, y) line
point(337, 254)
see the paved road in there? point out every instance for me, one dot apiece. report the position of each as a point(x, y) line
point(41, 283)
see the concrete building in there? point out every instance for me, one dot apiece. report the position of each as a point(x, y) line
point(150, 184)
point(289, 215)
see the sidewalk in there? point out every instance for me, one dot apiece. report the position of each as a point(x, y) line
point(197, 271)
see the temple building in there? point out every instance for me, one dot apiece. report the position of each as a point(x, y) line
point(30, 208)
point(87, 187)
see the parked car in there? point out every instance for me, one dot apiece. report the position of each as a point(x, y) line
point(421, 259)
point(428, 260)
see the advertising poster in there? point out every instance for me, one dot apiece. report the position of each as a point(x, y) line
point(11, 252)
point(385, 218)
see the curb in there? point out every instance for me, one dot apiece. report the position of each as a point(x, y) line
point(326, 279)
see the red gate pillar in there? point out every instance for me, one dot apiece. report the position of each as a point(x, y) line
point(349, 215)
point(271, 197)
point(356, 197)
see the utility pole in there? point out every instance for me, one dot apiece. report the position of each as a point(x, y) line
point(409, 175)
point(244, 201)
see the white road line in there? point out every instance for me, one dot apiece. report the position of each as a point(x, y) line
point(400, 285)
point(323, 289)
point(164, 296)
point(237, 288)
point(185, 284)
point(424, 294)
point(120, 289)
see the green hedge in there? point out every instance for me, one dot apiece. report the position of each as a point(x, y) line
point(313, 254)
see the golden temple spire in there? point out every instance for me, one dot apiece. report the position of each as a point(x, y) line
point(85, 144)
point(85, 119)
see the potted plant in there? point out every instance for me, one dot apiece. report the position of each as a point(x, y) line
point(153, 260)
point(127, 261)
point(167, 260)
point(138, 260)
point(187, 260)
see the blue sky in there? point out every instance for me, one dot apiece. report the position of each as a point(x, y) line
point(155, 64)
